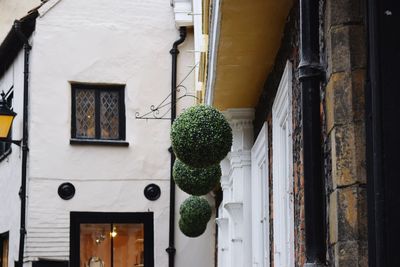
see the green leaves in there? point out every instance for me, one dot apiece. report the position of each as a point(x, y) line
point(201, 136)
point(195, 213)
point(196, 181)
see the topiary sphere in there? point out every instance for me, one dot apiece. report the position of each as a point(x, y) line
point(192, 230)
point(195, 210)
point(201, 136)
point(196, 181)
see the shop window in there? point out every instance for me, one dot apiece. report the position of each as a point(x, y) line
point(98, 112)
point(111, 239)
point(4, 250)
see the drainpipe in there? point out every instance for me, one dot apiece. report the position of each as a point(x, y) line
point(174, 53)
point(310, 72)
point(24, 143)
point(375, 174)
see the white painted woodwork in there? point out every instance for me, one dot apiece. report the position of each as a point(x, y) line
point(260, 200)
point(234, 247)
point(282, 176)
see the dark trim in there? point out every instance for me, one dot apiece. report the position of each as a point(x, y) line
point(18, 27)
point(49, 263)
point(171, 243)
point(146, 218)
point(310, 75)
point(5, 154)
point(375, 185)
point(98, 88)
point(76, 141)
point(12, 44)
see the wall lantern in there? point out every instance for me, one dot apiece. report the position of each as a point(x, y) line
point(6, 119)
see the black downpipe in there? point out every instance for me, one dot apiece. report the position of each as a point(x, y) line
point(310, 76)
point(174, 53)
point(376, 186)
point(24, 143)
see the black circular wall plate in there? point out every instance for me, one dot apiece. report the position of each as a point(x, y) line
point(66, 191)
point(152, 192)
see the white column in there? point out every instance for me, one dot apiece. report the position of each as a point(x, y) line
point(237, 183)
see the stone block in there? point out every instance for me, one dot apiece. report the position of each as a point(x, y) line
point(346, 48)
point(348, 226)
point(345, 98)
point(340, 12)
point(333, 220)
point(348, 154)
point(351, 213)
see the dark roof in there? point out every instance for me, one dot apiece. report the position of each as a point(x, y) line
point(11, 45)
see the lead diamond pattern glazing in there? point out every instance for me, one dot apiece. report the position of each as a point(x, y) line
point(85, 113)
point(109, 115)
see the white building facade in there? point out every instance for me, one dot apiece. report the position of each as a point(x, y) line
point(95, 67)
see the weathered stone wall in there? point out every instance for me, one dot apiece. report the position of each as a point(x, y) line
point(343, 56)
point(344, 132)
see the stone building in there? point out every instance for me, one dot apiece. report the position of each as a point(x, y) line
point(304, 85)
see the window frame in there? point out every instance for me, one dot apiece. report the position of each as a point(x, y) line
point(98, 88)
point(145, 218)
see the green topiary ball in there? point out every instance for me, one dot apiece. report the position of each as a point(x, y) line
point(196, 181)
point(195, 210)
point(201, 136)
point(192, 230)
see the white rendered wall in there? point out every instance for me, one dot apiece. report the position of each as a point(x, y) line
point(10, 168)
point(11, 10)
point(99, 41)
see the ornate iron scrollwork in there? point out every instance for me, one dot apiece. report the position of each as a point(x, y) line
point(160, 111)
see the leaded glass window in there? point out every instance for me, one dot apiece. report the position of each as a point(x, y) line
point(98, 112)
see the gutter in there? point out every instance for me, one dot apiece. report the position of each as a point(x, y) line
point(24, 144)
point(171, 243)
point(310, 74)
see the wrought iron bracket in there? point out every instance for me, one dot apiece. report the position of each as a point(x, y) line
point(15, 142)
point(161, 111)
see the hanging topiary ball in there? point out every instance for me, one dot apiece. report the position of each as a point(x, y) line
point(196, 181)
point(201, 136)
point(192, 230)
point(195, 210)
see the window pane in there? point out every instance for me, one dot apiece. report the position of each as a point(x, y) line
point(109, 114)
point(128, 245)
point(85, 113)
point(5, 253)
point(95, 245)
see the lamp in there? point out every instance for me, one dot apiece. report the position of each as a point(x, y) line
point(6, 119)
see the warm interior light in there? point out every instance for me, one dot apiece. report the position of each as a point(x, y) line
point(114, 232)
point(5, 125)
point(6, 117)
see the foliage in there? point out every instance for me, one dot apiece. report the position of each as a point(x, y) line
point(196, 181)
point(195, 213)
point(201, 136)
point(190, 230)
